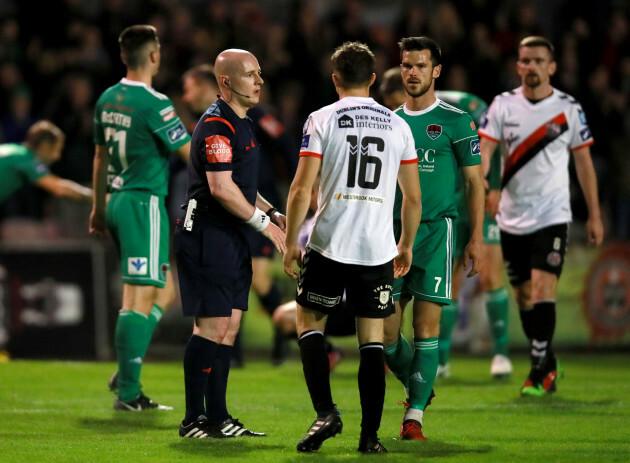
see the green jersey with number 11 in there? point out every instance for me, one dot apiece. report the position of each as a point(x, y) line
point(139, 127)
point(446, 139)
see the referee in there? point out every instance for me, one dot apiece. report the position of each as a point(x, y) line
point(213, 258)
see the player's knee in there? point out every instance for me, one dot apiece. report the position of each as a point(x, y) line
point(285, 319)
point(426, 328)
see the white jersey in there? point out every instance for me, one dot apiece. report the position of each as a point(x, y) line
point(538, 136)
point(361, 144)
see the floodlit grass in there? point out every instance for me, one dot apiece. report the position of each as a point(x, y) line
point(62, 412)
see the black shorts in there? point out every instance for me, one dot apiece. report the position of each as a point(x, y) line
point(368, 288)
point(214, 268)
point(342, 321)
point(543, 250)
point(259, 244)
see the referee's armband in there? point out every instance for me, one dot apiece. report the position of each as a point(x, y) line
point(259, 220)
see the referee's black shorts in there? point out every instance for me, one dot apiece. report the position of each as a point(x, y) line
point(214, 266)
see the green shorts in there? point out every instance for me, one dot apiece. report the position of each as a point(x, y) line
point(138, 223)
point(429, 278)
point(491, 232)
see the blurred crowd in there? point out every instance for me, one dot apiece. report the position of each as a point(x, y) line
point(55, 62)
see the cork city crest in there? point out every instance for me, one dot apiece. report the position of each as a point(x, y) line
point(434, 131)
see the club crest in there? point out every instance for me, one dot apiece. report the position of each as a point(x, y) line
point(434, 131)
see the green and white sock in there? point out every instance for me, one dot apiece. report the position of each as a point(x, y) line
point(423, 369)
point(398, 358)
point(497, 307)
point(448, 320)
point(132, 337)
point(155, 316)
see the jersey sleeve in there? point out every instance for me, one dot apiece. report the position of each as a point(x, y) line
point(410, 156)
point(581, 133)
point(494, 175)
point(311, 138)
point(466, 142)
point(164, 122)
point(491, 122)
point(98, 136)
point(33, 169)
point(216, 144)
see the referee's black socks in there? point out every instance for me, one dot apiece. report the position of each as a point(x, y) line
point(198, 362)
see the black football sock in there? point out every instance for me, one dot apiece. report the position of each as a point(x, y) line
point(371, 387)
point(198, 360)
point(543, 327)
point(526, 321)
point(216, 407)
point(316, 371)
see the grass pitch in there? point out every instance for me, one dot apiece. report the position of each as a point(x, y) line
point(62, 412)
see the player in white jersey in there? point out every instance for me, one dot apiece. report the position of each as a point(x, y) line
point(362, 149)
point(539, 125)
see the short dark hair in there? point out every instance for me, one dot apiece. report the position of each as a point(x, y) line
point(354, 63)
point(202, 72)
point(133, 42)
point(419, 44)
point(537, 41)
point(392, 82)
point(42, 132)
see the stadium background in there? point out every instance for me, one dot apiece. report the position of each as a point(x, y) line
point(60, 287)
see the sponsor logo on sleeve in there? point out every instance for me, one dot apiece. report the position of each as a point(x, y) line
point(434, 131)
point(218, 149)
point(168, 113)
point(484, 121)
point(307, 125)
point(582, 116)
point(345, 122)
point(137, 265)
point(176, 133)
point(475, 148)
point(305, 140)
point(472, 125)
point(585, 133)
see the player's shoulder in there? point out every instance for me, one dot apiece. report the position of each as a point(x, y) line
point(565, 98)
point(450, 114)
point(446, 109)
point(216, 121)
point(507, 96)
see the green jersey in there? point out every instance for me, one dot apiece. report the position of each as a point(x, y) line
point(446, 139)
point(477, 109)
point(18, 165)
point(140, 128)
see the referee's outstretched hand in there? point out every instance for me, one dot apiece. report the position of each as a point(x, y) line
point(292, 253)
point(276, 235)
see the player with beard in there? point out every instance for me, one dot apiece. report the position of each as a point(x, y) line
point(539, 125)
point(446, 142)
